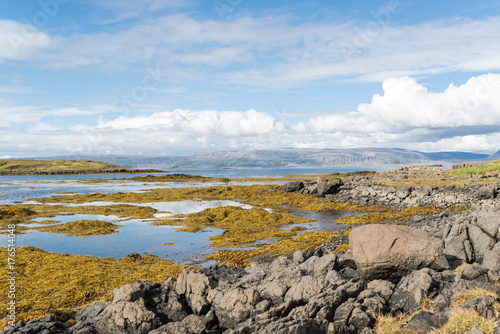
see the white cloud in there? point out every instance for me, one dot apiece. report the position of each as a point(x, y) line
point(208, 122)
point(406, 105)
point(11, 114)
point(473, 143)
point(271, 51)
point(406, 115)
point(21, 41)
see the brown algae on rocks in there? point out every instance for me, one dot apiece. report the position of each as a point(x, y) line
point(255, 195)
point(24, 213)
point(49, 280)
point(162, 178)
point(241, 226)
point(82, 228)
point(285, 245)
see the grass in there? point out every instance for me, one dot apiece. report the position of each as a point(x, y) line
point(57, 281)
point(491, 168)
point(466, 296)
point(82, 228)
point(462, 321)
point(387, 324)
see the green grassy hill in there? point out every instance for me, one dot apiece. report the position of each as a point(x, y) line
point(42, 167)
point(491, 168)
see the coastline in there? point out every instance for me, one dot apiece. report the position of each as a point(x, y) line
point(452, 211)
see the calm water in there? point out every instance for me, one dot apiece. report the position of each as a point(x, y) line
point(136, 235)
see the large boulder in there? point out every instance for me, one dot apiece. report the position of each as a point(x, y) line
point(392, 251)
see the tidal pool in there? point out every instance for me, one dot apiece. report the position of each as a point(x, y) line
point(135, 236)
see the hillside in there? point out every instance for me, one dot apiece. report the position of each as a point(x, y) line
point(273, 158)
point(54, 167)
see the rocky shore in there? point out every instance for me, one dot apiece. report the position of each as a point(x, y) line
point(433, 273)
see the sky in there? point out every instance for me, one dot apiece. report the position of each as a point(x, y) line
point(165, 77)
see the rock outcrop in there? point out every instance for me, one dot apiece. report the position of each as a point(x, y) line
point(296, 294)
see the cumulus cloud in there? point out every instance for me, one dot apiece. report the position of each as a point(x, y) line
point(406, 115)
point(406, 105)
point(208, 122)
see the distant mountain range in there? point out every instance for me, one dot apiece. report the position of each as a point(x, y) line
point(290, 158)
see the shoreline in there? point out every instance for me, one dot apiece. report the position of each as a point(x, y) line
point(273, 290)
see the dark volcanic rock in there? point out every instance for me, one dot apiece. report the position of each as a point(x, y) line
point(293, 186)
point(37, 326)
point(328, 186)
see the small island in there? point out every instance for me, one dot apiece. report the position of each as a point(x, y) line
point(64, 167)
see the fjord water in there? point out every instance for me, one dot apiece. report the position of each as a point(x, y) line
point(136, 235)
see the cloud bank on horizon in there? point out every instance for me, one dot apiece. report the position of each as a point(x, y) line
point(168, 78)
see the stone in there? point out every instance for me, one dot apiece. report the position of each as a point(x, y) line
point(298, 257)
point(490, 224)
point(475, 330)
point(195, 286)
point(132, 292)
point(88, 314)
point(282, 326)
point(360, 319)
point(487, 192)
point(481, 242)
point(126, 318)
point(457, 244)
point(293, 186)
point(307, 286)
point(37, 326)
point(236, 305)
point(412, 289)
point(328, 186)
point(391, 252)
point(192, 324)
point(492, 260)
point(421, 323)
point(483, 306)
point(382, 288)
point(473, 271)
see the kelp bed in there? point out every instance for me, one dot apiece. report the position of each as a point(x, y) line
point(47, 281)
point(50, 280)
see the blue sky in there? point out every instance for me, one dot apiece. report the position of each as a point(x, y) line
point(180, 77)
